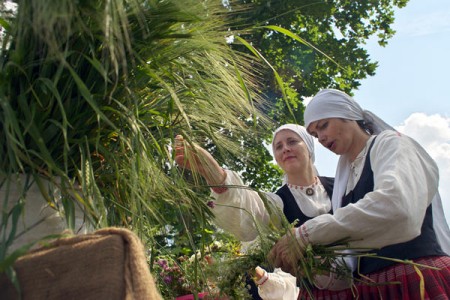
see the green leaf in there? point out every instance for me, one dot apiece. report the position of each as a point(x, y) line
point(299, 39)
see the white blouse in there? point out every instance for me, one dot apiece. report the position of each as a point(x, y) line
point(405, 183)
point(240, 209)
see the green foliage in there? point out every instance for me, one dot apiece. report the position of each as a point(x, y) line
point(337, 28)
point(92, 94)
point(182, 274)
point(311, 45)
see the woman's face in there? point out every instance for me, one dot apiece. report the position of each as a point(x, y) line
point(290, 151)
point(335, 134)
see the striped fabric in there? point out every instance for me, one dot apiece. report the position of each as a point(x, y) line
point(436, 283)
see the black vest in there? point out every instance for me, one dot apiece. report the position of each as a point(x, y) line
point(291, 209)
point(425, 244)
point(292, 213)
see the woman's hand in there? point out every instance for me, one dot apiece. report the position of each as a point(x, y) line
point(197, 159)
point(287, 253)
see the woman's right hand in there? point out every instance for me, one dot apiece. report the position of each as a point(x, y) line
point(287, 252)
point(197, 159)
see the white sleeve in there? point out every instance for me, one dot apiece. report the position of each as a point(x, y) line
point(405, 182)
point(278, 285)
point(240, 209)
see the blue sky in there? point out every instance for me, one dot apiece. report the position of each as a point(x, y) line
point(411, 87)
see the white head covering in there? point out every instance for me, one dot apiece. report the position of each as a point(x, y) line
point(302, 133)
point(331, 103)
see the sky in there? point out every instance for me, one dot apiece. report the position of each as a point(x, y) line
point(411, 87)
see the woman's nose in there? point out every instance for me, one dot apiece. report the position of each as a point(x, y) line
point(286, 148)
point(322, 138)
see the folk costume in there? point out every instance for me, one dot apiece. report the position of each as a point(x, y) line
point(237, 209)
point(386, 199)
point(289, 198)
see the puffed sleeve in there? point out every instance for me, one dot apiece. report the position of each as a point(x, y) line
point(405, 181)
point(240, 209)
point(277, 285)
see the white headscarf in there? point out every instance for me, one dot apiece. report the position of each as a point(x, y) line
point(331, 103)
point(304, 135)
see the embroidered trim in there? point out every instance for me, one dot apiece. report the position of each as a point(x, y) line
point(309, 189)
point(303, 234)
point(264, 279)
point(219, 189)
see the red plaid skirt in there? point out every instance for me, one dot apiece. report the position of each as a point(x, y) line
point(436, 283)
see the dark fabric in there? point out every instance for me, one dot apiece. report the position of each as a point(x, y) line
point(328, 183)
point(107, 265)
point(291, 209)
point(425, 244)
point(292, 213)
point(365, 183)
point(252, 287)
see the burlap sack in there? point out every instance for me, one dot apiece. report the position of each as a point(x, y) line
point(108, 264)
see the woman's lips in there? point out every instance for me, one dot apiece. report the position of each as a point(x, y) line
point(288, 158)
point(331, 146)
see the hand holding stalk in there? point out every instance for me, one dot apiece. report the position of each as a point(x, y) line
point(197, 159)
point(288, 252)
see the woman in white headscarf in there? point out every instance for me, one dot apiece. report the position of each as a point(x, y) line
point(385, 197)
point(304, 195)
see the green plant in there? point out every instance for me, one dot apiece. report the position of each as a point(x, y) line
point(92, 94)
point(183, 274)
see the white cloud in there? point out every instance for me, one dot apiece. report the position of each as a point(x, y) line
point(433, 133)
point(425, 24)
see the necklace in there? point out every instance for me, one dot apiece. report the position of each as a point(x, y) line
point(309, 189)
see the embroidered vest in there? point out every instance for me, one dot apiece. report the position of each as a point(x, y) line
point(291, 209)
point(425, 244)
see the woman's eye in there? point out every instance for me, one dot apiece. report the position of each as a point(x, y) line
point(324, 125)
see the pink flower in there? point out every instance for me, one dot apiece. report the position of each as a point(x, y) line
point(168, 279)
